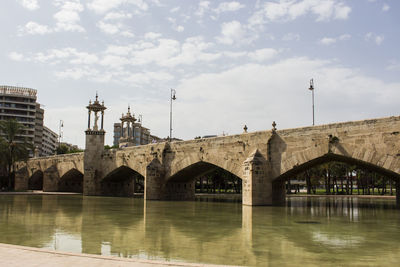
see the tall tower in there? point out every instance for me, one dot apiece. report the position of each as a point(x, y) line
point(94, 148)
point(127, 133)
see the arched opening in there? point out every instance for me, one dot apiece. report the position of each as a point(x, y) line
point(123, 182)
point(204, 180)
point(35, 182)
point(339, 175)
point(72, 181)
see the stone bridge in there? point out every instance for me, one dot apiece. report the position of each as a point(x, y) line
point(263, 160)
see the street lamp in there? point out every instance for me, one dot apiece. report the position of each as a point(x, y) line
point(173, 92)
point(60, 133)
point(312, 90)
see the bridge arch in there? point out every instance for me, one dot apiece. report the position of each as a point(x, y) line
point(181, 185)
point(122, 181)
point(308, 160)
point(71, 181)
point(35, 182)
point(228, 164)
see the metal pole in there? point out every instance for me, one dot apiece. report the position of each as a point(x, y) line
point(170, 118)
point(60, 131)
point(170, 113)
point(89, 120)
point(313, 116)
point(102, 119)
point(312, 89)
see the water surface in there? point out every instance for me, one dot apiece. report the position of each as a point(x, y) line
point(314, 231)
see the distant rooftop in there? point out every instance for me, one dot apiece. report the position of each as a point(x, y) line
point(16, 90)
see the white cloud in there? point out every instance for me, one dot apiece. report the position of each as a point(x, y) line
point(127, 34)
point(65, 55)
point(234, 55)
point(175, 9)
point(103, 6)
point(192, 51)
point(34, 28)
point(291, 37)
point(231, 32)
point(385, 7)
point(327, 41)
point(284, 10)
point(148, 77)
point(29, 4)
point(202, 8)
point(152, 35)
point(228, 6)
point(175, 27)
point(393, 66)
point(76, 73)
point(114, 61)
point(16, 56)
point(67, 18)
point(109, 28)
point(179, 28)
point(347, 95)
point(263, 54)
point(377, 39)
point(332, 40)
point(117, 16)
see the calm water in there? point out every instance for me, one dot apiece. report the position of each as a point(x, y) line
point(315, 231)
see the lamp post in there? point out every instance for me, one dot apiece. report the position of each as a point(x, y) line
point(173, 92)
point(61, 125)
point(312, 90)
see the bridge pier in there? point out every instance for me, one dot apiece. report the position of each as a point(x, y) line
point(154, 183)
point(21, 179)
point(398, 194)
point(50, 179)
point(256, 183)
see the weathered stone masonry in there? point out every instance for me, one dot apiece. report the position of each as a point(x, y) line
point(263, 160)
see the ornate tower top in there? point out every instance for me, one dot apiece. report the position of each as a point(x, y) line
point(96, 107)
point(128, 131)
point(128, 117)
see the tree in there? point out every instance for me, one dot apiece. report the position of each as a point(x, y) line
point(64, 149)
point(13, 147)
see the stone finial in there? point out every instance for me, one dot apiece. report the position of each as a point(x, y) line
point(245, 129)
point(273, 127)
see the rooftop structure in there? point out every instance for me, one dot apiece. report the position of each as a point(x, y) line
point(19, 103)
point(131, 132)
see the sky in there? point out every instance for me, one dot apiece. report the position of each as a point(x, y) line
point(232, 63)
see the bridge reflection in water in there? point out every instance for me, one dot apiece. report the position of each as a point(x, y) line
point(332, 231)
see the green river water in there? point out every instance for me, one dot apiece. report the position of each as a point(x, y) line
point(307, 231)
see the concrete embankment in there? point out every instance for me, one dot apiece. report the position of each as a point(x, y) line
point(12, 255)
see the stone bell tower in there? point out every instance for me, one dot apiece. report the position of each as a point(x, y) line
point(127, 133)
point(94, 148)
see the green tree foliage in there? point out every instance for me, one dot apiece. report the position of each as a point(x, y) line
point(219, 181)
point(64, 149)
point(338, 178)
point(107, 147)
point(13, 147)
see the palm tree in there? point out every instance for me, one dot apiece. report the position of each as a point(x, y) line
point(12, 147)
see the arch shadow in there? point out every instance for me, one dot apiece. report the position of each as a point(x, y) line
point(181, 185)
point(122, 182)
point(35, 182)
point(330, 157)
point(71, 181)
